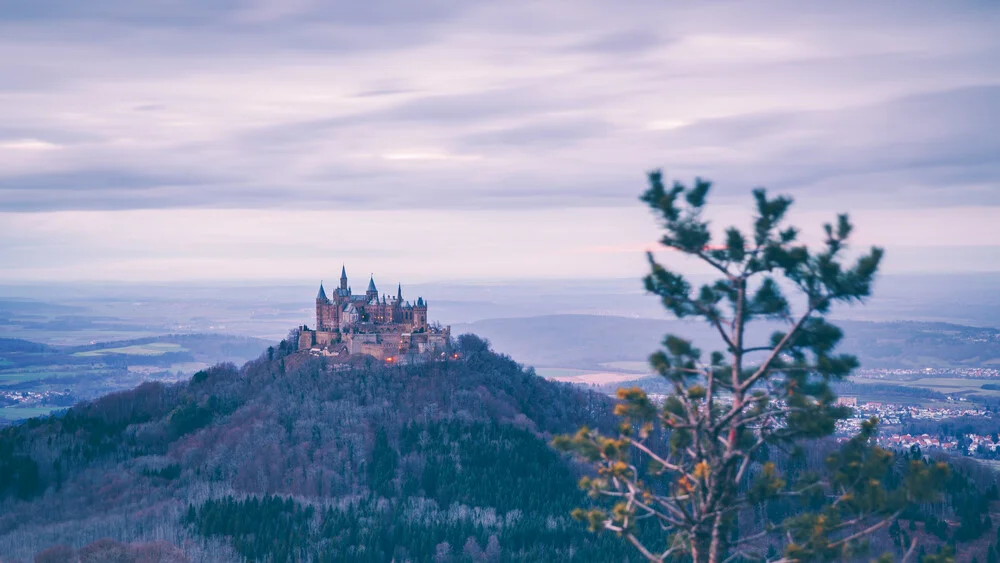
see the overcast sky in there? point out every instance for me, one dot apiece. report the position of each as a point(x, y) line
point(422, 140)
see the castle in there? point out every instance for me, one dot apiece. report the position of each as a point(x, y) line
point(385, 327)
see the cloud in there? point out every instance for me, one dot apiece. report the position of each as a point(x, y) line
point(27, 145)
point(425, 155)
point(457, 107)
point(97, 189)
point(215, 12)
point(944, 139)
point(540, 96)
point(541, 133)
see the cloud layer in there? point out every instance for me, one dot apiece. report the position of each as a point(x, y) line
point(458, 107)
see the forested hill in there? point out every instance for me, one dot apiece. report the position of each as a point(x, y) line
point(289, 459)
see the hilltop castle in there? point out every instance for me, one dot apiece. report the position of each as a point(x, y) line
point(385, 327)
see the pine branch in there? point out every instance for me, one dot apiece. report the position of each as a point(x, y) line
point(762, 370)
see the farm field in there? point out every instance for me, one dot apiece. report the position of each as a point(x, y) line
point(555, 373)
point(39, 373)
point(954, 385)
point(586, 377)
point(150, 349)
point(633, 366)
point(10, 414)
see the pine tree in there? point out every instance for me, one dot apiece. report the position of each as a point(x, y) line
point(678, 473)
point(382, 469)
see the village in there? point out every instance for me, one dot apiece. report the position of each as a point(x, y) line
point(893, 414)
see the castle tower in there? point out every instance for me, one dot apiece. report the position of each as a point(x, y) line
point(397, 305)
point(372, 292)
point(420, 315)
point(343, 277)
point(322, 309)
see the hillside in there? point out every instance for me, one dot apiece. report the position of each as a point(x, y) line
point(286, 458)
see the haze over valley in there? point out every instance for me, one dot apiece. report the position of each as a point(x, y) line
point(100, 338)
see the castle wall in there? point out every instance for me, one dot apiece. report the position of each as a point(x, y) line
point(323, 338)
point(305, 339)
point(316, 338)
point(356, 342)
point(374, 350)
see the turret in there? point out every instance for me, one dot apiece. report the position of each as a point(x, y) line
point(322, 309)
point(372, 292)
point(343, 277)
point(420, 315)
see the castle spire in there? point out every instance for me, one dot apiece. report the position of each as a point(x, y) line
point(399, 293)
point(343, 277)
point(371, 284)
point(322, 292)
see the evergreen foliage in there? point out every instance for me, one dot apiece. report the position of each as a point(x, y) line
point(483, 484)
point(698, 464)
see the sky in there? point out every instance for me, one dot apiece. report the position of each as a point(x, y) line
point(177, 140)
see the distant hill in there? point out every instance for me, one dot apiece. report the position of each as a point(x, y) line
point(210, 348)
point(18, 346)
point(587, 341)
point(36, 378)
point(288, 457)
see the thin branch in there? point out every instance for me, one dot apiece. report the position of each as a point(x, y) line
point(909, 552)
point(633, 498)
point(717, 323)
point(738, 553)
point(869, 530)
point(669, 551)
point(756, 349)
point(714, 264)
point(777, 350)
point(667, 465)
point(642, 549)
point(754, 537)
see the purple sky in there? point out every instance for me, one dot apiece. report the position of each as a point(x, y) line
point(215, 139)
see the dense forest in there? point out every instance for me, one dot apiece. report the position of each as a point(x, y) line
point(440, 461)
point(290, 458)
